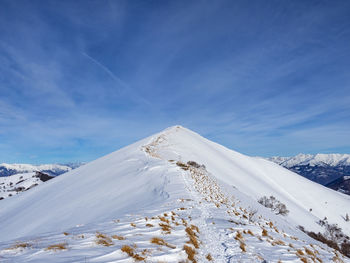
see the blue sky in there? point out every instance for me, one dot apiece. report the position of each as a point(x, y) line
point(80, 79)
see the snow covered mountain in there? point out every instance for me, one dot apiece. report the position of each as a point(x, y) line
point(173, 197)
point(341, 184)
point(17, 183)
point(17, 178)
point(50, 169)
point(320, 168)
point(319, 159)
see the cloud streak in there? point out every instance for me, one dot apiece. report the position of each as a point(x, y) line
point(264, 79)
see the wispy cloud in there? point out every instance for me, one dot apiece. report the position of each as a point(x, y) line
point(80, 79)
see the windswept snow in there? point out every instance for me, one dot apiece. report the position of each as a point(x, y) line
point(150, 198)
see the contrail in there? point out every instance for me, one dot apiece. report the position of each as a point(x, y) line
point(118, 80)
point(110, 73)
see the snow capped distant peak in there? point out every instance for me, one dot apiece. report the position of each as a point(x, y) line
point(52, 169)
point(313, 159)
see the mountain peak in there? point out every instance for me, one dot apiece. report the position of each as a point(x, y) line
point(210, 191)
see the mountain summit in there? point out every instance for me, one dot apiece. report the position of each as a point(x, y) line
point(194, 198)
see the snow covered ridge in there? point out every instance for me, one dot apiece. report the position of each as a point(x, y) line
point(17, 183)
point(51, 169)
point(172, 197)
point(334, 159)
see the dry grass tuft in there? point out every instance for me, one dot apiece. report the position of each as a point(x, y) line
point(118, 237)
point(309, 252)
point(163, 219)
point(300, 252)
point(239, 236)
point(193, 237)
point(149, 225)
point(278, 242)
point(209, 257)
point(65, 233)
point(161, 242)
point(55, 247)
point(304, 260)
point(131, 252)
point(264, 233)
point(165, 228)
point(190, 253)
point(103, 240)
point(242, 246)
point(193, 227)
point(182, 165)
point(20, 245)
point(319, 260)
point(133, 224)
point(250, 232)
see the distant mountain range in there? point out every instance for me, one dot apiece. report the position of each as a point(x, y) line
point(17, 178)
point(331, 170)
point(50, 169)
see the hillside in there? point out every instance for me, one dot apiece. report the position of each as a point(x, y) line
point(171, 197)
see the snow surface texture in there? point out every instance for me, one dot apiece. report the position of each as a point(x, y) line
point(333, 159)
point(145, 202)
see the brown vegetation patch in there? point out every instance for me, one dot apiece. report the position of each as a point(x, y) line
point(103, 240)
point(183, 166)
point(242, 246)
point(20, 245)
point(165, 228)
point(209, 257)
point(161, 242)
point(278, 242)
point(239, 236)
point(131, 252)
point(118, 237)
point(190, 253)
point(193, 237)
point(264, 233)
point(163, 219)
point(55, 247)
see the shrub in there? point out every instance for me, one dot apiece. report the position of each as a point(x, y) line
point(195, 165)
point(275, 205)
point(332, 237)
point(345, 249)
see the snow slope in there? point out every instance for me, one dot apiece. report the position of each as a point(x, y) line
point(153, 192)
